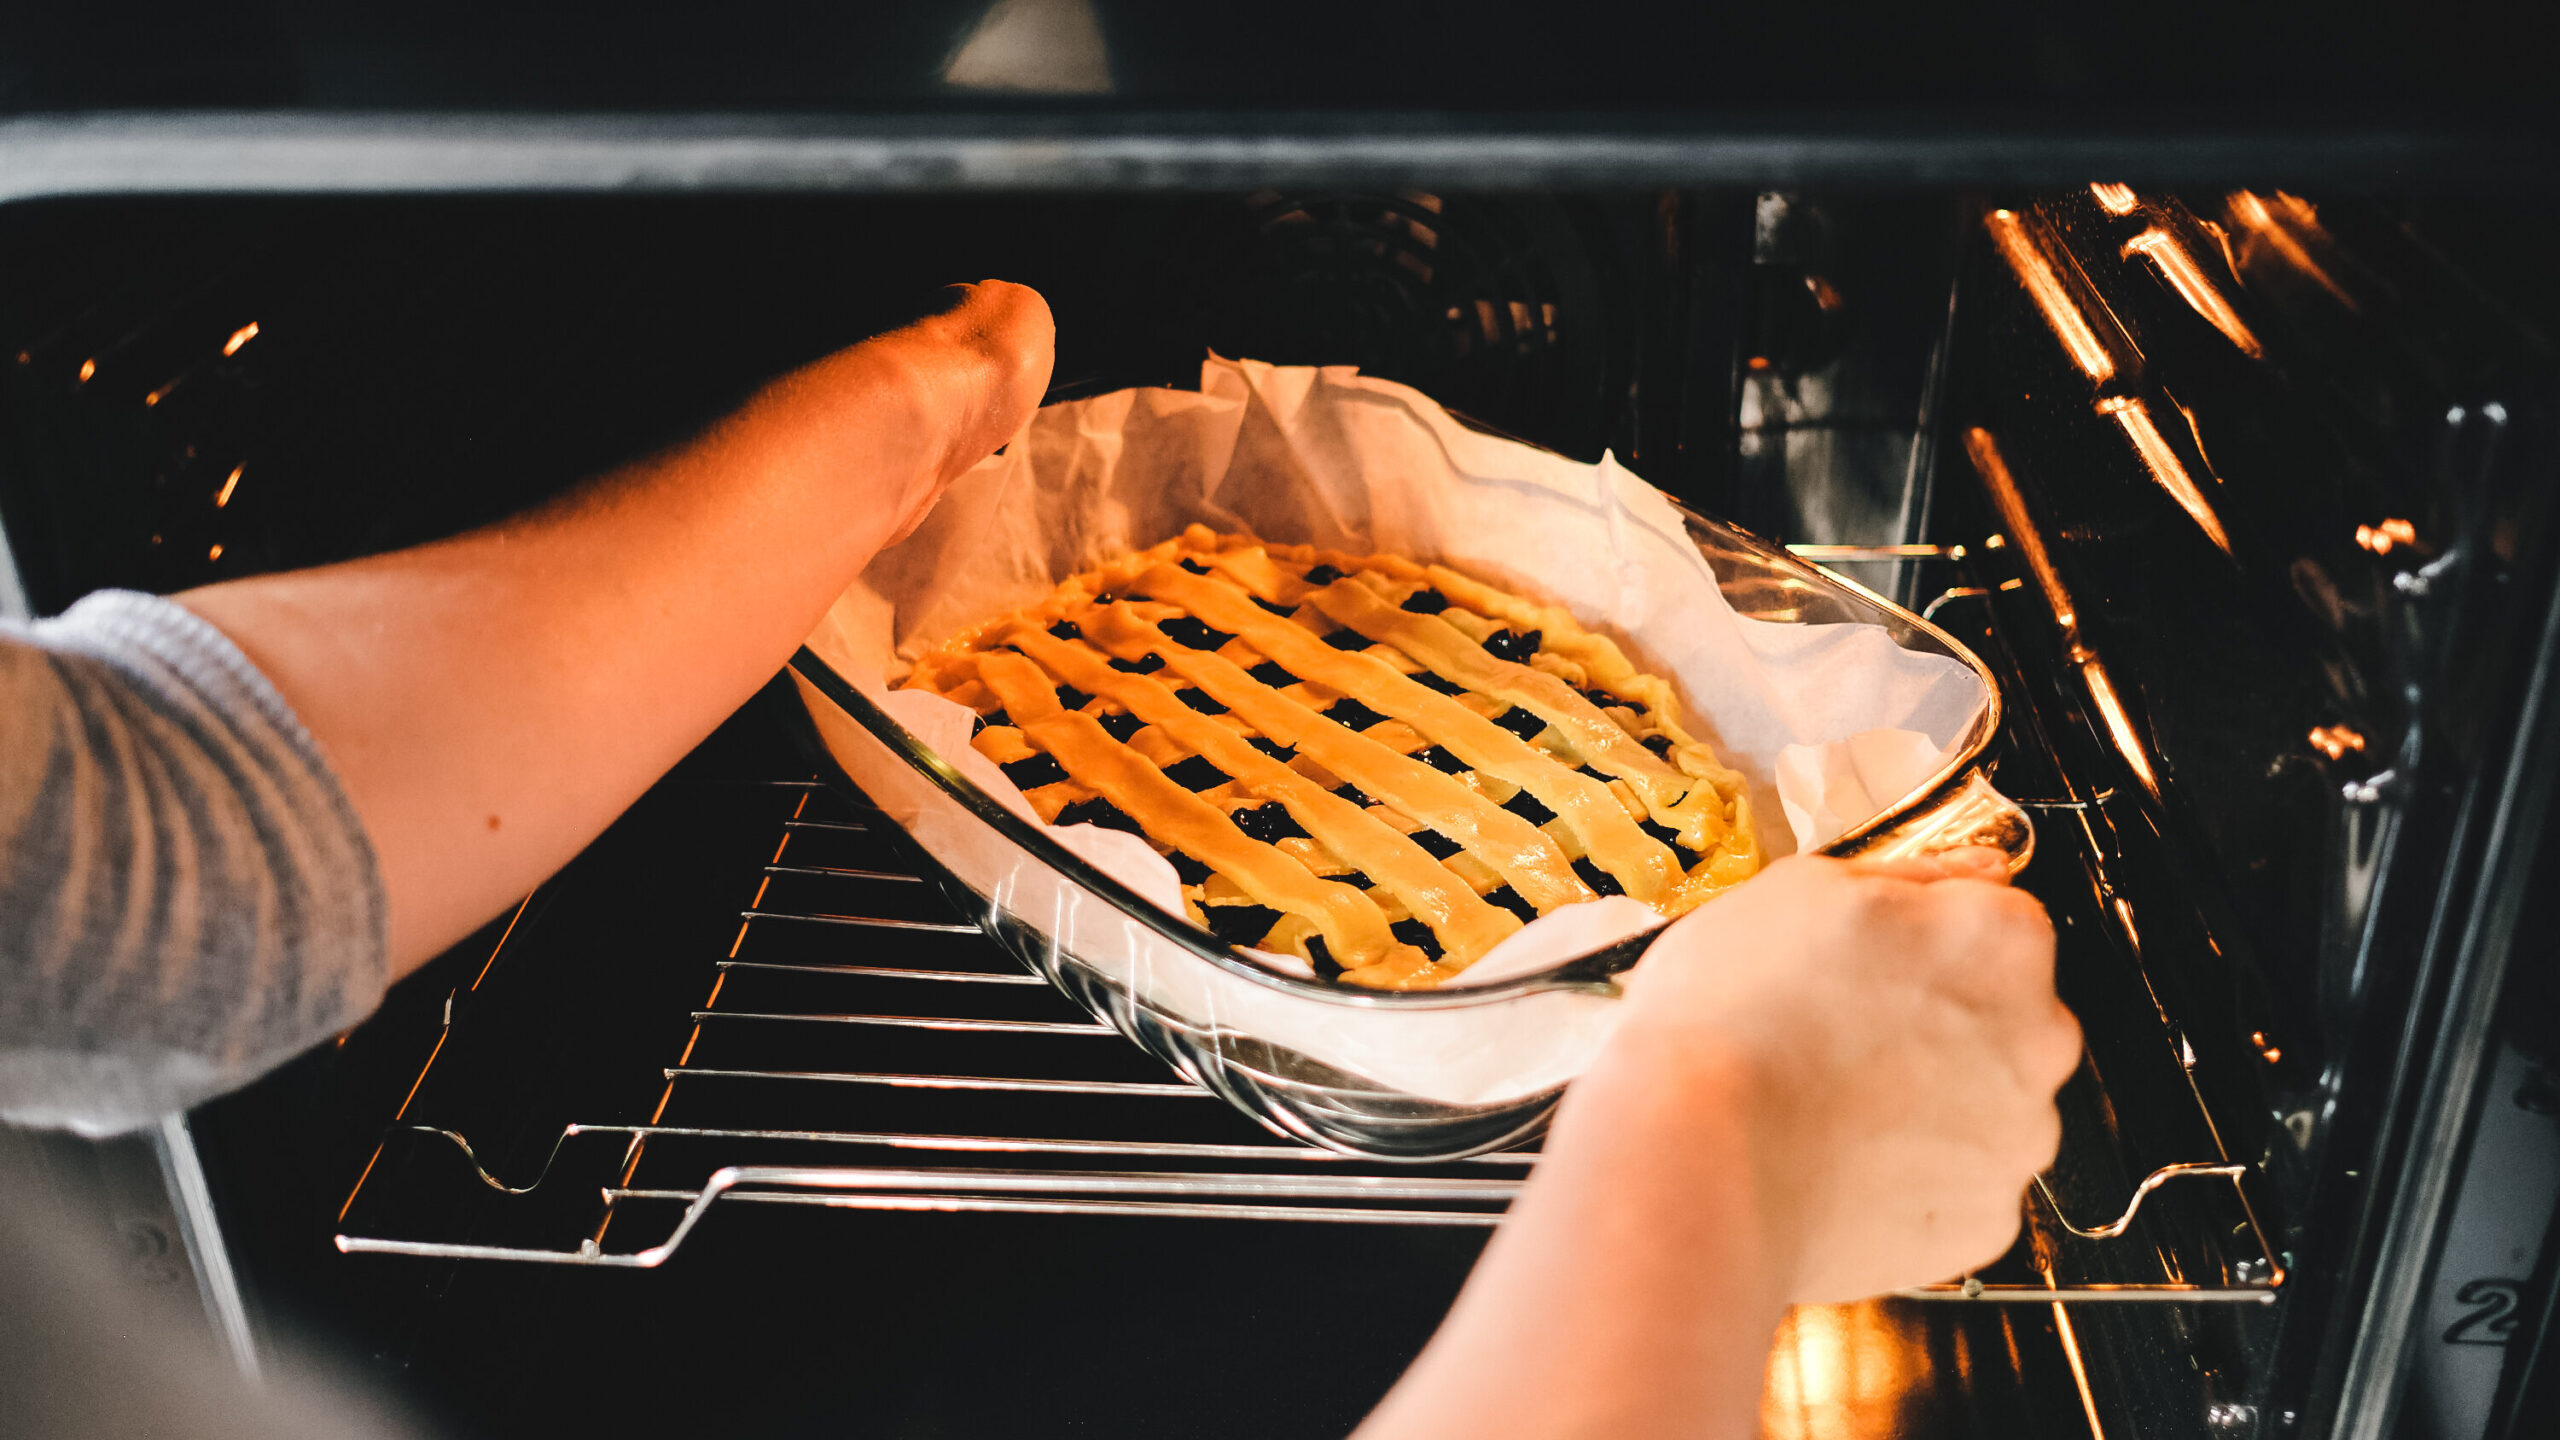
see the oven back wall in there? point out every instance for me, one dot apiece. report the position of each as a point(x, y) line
point(196, 390)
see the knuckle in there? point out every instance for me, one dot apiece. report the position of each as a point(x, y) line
point(2064, 1046)
point(2039, 1139)
point(2021, 913)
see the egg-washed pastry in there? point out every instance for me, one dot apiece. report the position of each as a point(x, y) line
point(1381, 767)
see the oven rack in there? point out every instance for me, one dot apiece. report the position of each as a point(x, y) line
point(630, 1194)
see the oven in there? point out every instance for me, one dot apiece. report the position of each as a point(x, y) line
point(2231, 454)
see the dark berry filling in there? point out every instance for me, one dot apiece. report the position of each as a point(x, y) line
point(1196, 774)
point(1352, 715)
point(1526, 806)
point(1600, 881)
point(1033, 771)
point(1098, 811)
point(1184, 630)
point(1267, 823)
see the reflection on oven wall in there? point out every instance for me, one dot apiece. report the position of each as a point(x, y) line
point(2260, 463)
point(1845, 309)
point(205, 389)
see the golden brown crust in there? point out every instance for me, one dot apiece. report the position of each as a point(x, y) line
point(1337, 752)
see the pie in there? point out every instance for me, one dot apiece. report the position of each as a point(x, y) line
point(1380, 767)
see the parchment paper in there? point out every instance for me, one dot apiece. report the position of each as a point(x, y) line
point(1828, 722)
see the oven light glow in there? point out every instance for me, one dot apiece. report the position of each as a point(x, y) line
point(2380, 538)
point(2253, 215)
point(2012, 505)
point(2132, 932)
point(2114, 199)
point(1837, 1371)
point(222, 497)
point(2119, 726)
point(87, 369)
point(215, 553)
point(2045, 287)
point(2071, 1353)
point(2195, 287)
point(2335, 741)
point(240, 337)
point(2164, 466)
point(156, 396)
point(2013, 513)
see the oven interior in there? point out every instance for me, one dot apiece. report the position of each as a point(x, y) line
point(2169, 462)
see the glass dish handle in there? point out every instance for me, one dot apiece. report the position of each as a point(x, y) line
point(1970, 811)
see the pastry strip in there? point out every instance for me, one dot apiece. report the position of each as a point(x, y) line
point(1674, 800)
point(1465, 925)
point(1641, 864)
point(1519, 852)
point(1355, 930)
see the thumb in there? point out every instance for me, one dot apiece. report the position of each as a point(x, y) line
point(999, 343)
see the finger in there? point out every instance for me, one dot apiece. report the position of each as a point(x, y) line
point(989, 354)
point(1995, 945)
point(2052, 1048)
point(1975, 862)
point(1970, 862)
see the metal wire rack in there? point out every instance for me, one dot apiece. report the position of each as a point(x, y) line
point(854, 1010)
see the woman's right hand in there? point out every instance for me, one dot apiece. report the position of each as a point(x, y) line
point(1892, 1035)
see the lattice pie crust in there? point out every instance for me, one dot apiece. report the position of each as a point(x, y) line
point(1381, 767)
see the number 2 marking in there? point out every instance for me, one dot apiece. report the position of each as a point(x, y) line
point(2493, 1316)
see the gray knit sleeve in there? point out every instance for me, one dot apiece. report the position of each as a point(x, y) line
point(187, 898)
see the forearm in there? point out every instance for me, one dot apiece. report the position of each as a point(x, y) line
point(1627, 1295)
point(490, 702)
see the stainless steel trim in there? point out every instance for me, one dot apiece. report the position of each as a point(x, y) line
point(869, 921)
point(390, 152)
point(1150, 1182)
point(13, 592)
point(886, 972)
point(841, 872)
point(951, 1082)
point(201, 1230)
point(918, 1022)
point(1855, 554)
point(2084, 1294)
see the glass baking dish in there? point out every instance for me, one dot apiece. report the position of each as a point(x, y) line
point(1413, 1075)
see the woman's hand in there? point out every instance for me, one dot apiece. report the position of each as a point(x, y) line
point(1832, 1082)
point(968, 375)
point(1893, 1036)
